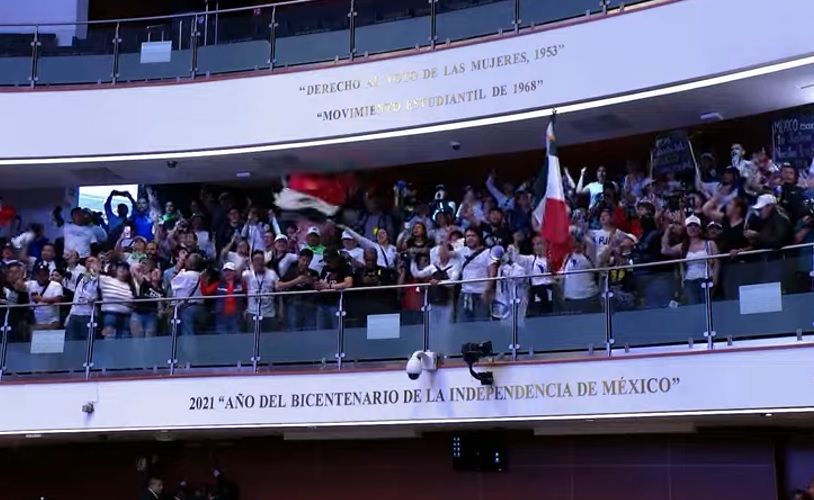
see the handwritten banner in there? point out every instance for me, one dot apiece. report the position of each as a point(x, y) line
point(672, 153)
point(793, 140)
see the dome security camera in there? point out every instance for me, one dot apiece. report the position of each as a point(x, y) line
point(455, 145)
point(421, 361)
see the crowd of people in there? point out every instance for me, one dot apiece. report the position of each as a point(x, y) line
point(226, 259)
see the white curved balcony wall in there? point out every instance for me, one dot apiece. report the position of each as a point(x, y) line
point(649, 48)
point(748, 381)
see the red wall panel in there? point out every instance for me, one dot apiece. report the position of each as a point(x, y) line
point(585, 468)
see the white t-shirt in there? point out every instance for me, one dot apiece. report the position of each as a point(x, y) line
point(357, 254)
point(602, 238)
point(537, 268)
point(117, 295)
point(187, 285)
point(478, 268)
point(261, 284)
point(78, 238)
point(576, 286)
point(238, 260)
point(47, 313)
point(594, 190)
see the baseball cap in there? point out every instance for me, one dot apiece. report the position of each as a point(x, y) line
point(42, 266)
point(347, 236)
point(229, 266)
point(765, 200)
point(645, 201)
point(692, 219)
point(281, 237)
point(313, 230)
point(497, 253)
point(330, 253)
point(715, 224)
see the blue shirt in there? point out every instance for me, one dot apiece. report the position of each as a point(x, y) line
point(35, 247)
point(144, 225)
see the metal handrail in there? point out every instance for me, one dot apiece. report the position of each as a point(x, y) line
point(160, 18)
point(341, 309)
point(600, 270)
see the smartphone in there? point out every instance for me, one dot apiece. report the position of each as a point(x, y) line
point(127, 232)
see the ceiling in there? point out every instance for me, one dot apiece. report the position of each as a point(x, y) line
point(752, 96)
point(792, 423)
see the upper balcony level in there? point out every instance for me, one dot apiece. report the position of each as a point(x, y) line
point(626, 58)
point(263, 38)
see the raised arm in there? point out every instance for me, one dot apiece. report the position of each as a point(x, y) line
point(363, 242)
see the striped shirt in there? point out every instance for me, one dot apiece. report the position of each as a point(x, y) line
point(117, 292)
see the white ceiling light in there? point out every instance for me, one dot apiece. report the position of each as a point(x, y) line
point(431, 129)
point(712, 116)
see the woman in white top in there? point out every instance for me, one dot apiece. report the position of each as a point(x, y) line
point(118, 292)
point(387, 253)
point(580, 291)
point(541, 293)
point(696, 249)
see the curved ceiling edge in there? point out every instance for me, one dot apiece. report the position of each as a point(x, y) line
point(443, 127)
point(419, 94)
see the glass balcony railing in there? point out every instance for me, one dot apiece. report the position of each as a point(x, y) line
point(261, 38)
point(751, 295)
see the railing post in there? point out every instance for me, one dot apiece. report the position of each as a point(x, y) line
point(35, 57)
point(433, 23)
point(193, 46)
point(517, 20)
point(340, 334)
point(514, 346)
point(206, 23)
point(707, 284)
point(273, 38)
point(258, 318)
point(426, 307)
point(88, 365)
point(607, 295)
point(352, 26)
point(114, 77)
point(174, 322)
point(4, 334)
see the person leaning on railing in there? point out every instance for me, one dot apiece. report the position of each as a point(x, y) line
point(118, 292)
point(696, 249)
point(229, 307)
point(299, 309)
point(336, 274)
point(580, 291)
point(770, 230)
